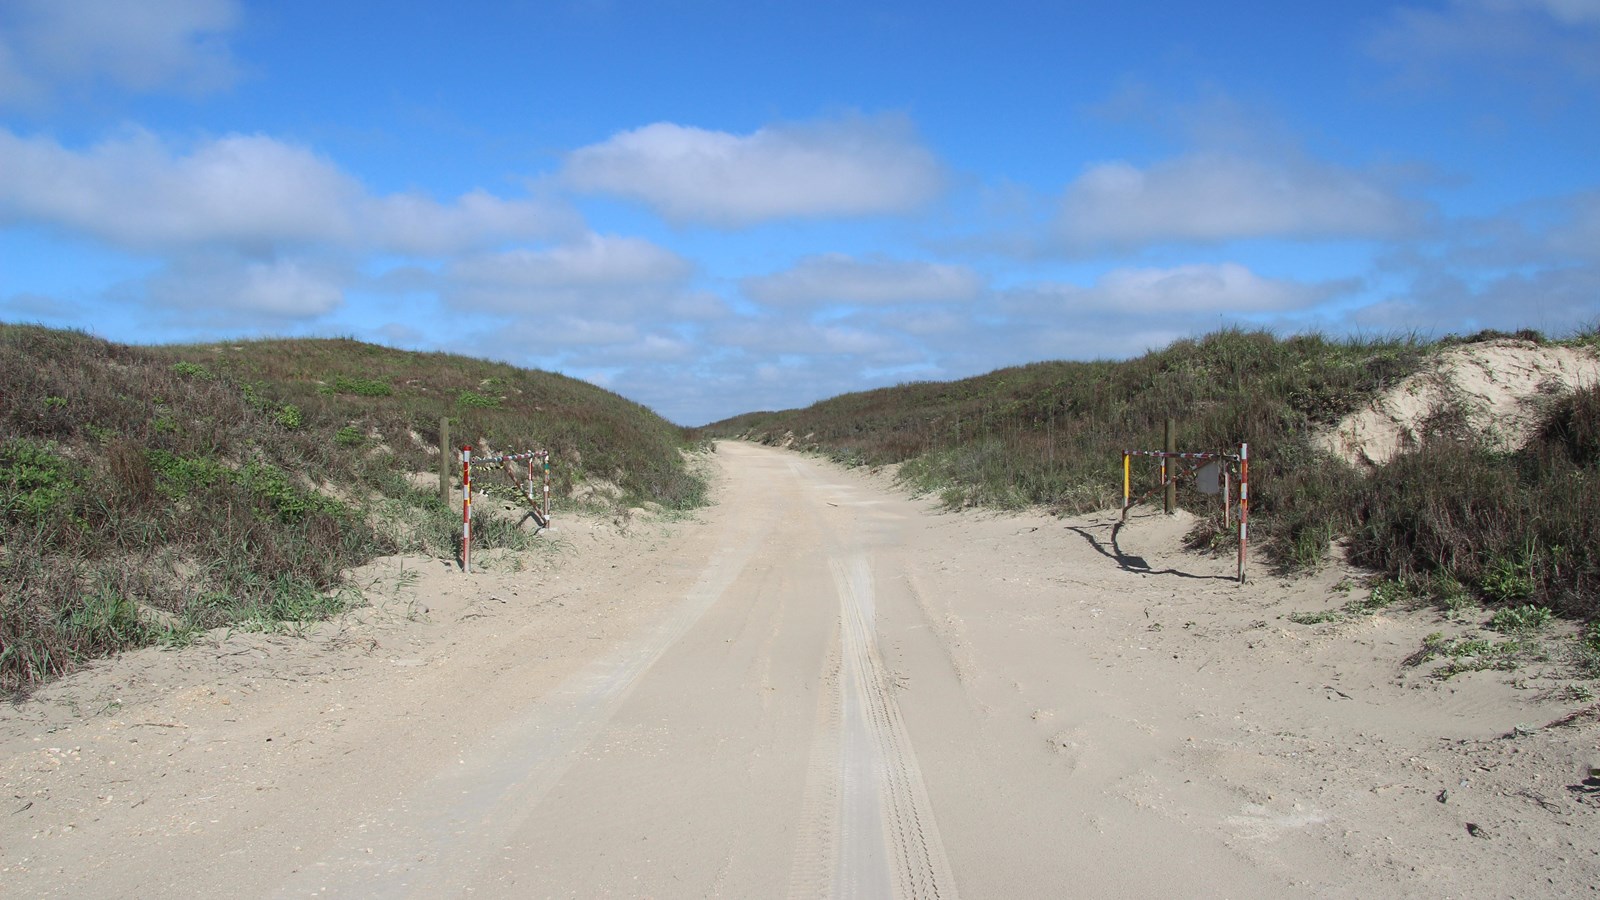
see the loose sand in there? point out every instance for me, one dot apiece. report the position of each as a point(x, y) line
point(817, 687)
point(1496, 386)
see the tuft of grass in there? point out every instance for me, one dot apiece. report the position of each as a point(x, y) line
point(475, 400)
point(1520, 620)
point(1586, 651)
point(1384, 594)
point(191, 370)
point(1472, 654)
point(359, 387)
point(1318, 618)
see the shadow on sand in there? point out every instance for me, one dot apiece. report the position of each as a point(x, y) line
point(1127, 562)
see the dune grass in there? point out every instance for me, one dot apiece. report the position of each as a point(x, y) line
point(149, 492)
point(1515, 529)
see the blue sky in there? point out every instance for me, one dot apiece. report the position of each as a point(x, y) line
point(716, 207)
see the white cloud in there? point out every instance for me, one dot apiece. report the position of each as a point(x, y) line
point(596, 261)
point(222, 286)
point(1122, 304)
point(855, 166)
point(412, 223)
point(838, 278)
point(133, 192)
point(596, 273)
point(1224, 287)
point(779, 337)
point(249, 190)
point(139, 46)
point(1219, 197)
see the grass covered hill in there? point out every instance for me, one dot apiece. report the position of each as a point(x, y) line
point(1453, 518)
point(146, 493)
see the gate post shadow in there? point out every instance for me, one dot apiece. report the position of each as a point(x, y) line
point(1127, 562)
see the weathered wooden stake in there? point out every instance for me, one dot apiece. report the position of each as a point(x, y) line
point(447, 456)
point(1168, 477)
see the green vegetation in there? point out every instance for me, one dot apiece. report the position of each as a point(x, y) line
point(474, 400)
point(1454, 520)
point(1384, 594)
point(360, 387)
point(148, 493)
point(1518, 529)
point(1520, 620)
point(1473, 654)
point(1586, 653)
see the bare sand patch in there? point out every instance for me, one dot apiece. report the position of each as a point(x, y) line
point(1496, 385)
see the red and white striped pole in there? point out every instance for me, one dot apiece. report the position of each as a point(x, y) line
point(546, 455)
point(466, 509)
point(1244, 507)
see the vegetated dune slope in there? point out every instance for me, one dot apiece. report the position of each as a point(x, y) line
point(1497, 487)
point(147, 492)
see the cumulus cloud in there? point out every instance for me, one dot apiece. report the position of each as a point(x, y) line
point(223, 286)
point(597, 260)
point(145, 46)
point(856, 166)
point(596, 272)
point(1220, 197)
point(838, 278)
point(784, 337)
point(1194, 293)
point(135, 191)
point(1206, 288)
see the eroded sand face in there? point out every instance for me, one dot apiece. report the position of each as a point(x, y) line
point(818, 687)
point(1496, 383)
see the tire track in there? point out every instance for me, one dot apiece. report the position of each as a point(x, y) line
point(888, 840)
point(817, 851)
point(445, 829)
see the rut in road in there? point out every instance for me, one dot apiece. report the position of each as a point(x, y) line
point(882, 783)
point(861, 824)
point(463, 811)
point(869, 829)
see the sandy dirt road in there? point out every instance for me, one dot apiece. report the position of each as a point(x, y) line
point(816, 688)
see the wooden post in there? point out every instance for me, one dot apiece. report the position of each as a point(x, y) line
point(447, 457)
point(1168, 476)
